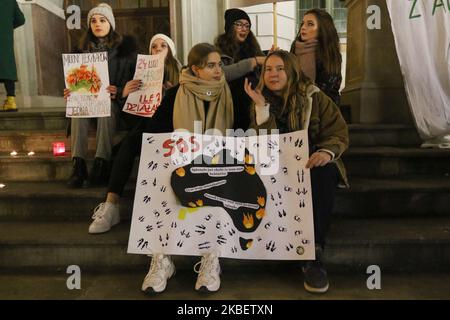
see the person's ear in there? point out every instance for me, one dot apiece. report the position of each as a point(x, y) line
point(195, 70)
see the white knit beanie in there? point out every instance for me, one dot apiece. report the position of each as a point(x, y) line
point(105, 10)
point(169, 42)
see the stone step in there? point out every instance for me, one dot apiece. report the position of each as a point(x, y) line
point(41, 141)
point(402, 244)
point(37, 141)
point(42, 167)
point(394, 161)
point(364, 135)
point(31, 123)
point(360, 162)
point(46, 201)
point(31, 119)
point(394, 198)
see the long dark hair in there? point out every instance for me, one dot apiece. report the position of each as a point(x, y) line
point(294, 95)
point(229, 45)
point(328, 52)
point(112, 40)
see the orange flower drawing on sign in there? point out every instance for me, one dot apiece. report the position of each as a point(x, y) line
point(84, 80)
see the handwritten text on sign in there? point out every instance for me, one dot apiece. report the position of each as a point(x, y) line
point(196, 194)
point(145, 102)
point(87, 77)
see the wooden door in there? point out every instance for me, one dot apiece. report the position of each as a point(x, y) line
point(139, 18)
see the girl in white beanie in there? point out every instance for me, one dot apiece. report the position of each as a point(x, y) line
point(101, 36)
point(107, 213)
point(160, 43)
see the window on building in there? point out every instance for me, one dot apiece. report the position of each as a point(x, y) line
point(335, 7)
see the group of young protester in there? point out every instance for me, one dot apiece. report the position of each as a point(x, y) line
point(228, 85)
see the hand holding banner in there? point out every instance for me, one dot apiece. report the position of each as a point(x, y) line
point(145, 102)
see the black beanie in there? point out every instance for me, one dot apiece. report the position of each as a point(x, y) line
point(233, 15)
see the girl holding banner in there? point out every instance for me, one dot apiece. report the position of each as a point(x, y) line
point(286, 100)
point(106, 214)
point(317, 50)
point(202, 95)
point(241, 55)
point(160, 43)
point(101, 36)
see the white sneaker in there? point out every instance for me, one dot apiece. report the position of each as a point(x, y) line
point(209, 274)
point(161, 269)
point(106, 215)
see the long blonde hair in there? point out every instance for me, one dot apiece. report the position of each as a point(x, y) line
point(294, 95)
point(172, 68)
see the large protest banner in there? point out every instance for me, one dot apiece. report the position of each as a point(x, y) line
point(422, 37)
point(87, 77)
point(245, 198)
point(145, 102)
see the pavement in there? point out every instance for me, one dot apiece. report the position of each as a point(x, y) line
point(236, 285)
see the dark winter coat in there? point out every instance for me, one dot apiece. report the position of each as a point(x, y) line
point(10, 18)
point(236, 72)
point(121, 67)
point(329, 84)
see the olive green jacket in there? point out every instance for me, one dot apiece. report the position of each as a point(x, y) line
point(326, 127)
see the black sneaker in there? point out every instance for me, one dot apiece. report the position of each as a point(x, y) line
point(316, 278)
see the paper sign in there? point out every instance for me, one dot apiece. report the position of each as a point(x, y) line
point(145, 102)
point(87, 76)
point(244, 198)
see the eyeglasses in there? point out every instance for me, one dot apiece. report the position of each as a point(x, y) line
point(241, 25)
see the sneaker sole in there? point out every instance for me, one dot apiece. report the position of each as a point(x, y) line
point(205, 290)
point(151, 291)
point(102, 232)
point(316, 290)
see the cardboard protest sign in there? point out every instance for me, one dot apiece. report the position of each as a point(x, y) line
point(145, 102)
point(245, 198)
point(87, 77)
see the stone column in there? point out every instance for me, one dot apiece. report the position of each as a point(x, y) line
point(38, 45)
point(374, 84)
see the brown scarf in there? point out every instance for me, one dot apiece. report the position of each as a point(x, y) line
point(306, 54)
point(189, 104)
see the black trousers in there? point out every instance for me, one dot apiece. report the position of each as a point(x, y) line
point(10, 87)
point(324, 182)
point(123, 163)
